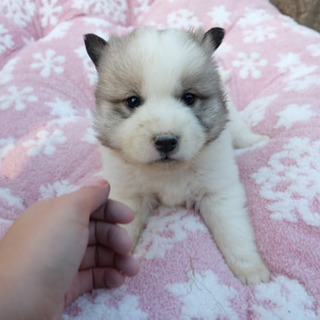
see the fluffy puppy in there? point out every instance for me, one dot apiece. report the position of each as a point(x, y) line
point(162, 120)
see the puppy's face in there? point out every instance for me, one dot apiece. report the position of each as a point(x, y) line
point(159, 97)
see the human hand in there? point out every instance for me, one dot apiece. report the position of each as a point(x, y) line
point(61, 248)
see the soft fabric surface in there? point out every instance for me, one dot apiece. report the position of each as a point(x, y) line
point(47, 148)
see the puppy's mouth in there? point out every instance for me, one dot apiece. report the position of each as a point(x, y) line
point(167, 147)
point(166, 159)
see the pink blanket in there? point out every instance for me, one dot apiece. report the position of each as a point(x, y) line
point(47, 148)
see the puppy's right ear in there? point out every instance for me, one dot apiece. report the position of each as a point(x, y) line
point(95, 46)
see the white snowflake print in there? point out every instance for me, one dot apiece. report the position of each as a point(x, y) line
point(114, 9)
point(63, 110)
point(59, 31)
point(166, 229)
point(117, 304)
point(6, 72)
point(90, 135)
point(141, 7)
point(48, 63)
point(288, 61)
point(183, 18)
point(94, 21)
point(220, 16)
point(314, 49)
point(56, 189)
point(45, 142)
point(259, 34)
point(6, 145)
point(254, 113)
point(21, 12)
point(48, 11)
point(91, 71)
point(249, 65)
point(28, 41)
point(10, 199)
point(294, 113)
point(6, 41)
point(291, 182)
point(253, 17)
point(283, 298)
point(204, 297)
point(17, 98)
point(299, 76)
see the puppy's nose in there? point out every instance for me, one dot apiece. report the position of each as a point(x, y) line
point(166, 144)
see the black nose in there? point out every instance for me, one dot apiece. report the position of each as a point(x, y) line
point(166, 144)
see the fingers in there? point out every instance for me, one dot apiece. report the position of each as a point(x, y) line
point(97, 256)
point(114, 212)
point(96, 278)
point(86, 200)
point(111, 236)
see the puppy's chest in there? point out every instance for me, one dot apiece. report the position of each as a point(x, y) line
point(182, 192)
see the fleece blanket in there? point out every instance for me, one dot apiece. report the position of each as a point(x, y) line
point(48, 148)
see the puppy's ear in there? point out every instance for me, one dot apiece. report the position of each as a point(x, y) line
point(213, 38)
point(95, 46)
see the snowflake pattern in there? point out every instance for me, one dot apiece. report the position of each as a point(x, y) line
point(141, 7)
point(6, 72)
point(259, 34)
point(59, 31)
point(17, 98)
point(184, 19)
point(294, 113)
point(164, 230)
point(283, 298)
point(62, 110)
point(21, 12)
point(220, 16)
point(88, 66)
point(291, 182)
point(48, 11)
point(314, 49)
point(203, 297)
point(56, 189)
point(300, 75)
point(6, 41)
point(6, 145)
point(253, 17)
point(48, 63)
point(45, 142)
point(110, 8)
point(11, 200)
point(90, 135)
point(249, 64)
point(255, 112)
point(117, 304)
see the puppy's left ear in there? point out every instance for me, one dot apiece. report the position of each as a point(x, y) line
point(213, 38)
point(95, 46)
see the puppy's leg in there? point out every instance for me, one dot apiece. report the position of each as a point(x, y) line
point(224, 211)
point(242, 136)
point(141, 208)
point(228, 220)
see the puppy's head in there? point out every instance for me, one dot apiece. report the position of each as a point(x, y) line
point(159, 98)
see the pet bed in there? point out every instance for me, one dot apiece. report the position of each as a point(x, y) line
point(47, 148)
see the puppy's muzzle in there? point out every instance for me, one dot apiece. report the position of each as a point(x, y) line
point(166, 144)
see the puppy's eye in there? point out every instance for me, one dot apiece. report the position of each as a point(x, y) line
point(189, 99)
point(133, 102)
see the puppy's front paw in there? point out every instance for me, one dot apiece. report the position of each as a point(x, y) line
point(251, 272)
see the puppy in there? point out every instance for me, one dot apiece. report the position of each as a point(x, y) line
point(163, 122)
